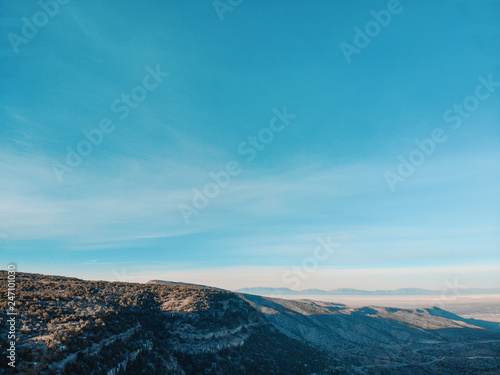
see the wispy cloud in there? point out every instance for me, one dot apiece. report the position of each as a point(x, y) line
point(323, 175)
point(278, 215)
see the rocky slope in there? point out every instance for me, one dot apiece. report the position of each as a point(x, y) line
point(72, 326)
point(388, 340)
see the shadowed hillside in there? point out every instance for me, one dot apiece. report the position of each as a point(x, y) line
point(72, 326)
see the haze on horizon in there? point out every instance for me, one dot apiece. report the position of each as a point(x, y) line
point(256, 152)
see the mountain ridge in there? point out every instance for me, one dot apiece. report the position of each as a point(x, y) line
point(269, 291)
point(72, 326)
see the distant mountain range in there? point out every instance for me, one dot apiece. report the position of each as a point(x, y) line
point(263, 291)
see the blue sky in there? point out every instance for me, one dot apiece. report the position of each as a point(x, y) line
point(116, 215)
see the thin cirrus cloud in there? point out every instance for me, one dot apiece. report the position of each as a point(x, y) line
point(323, 175)
point(146, 207)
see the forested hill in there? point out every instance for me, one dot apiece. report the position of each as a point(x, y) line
point(71, 326)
